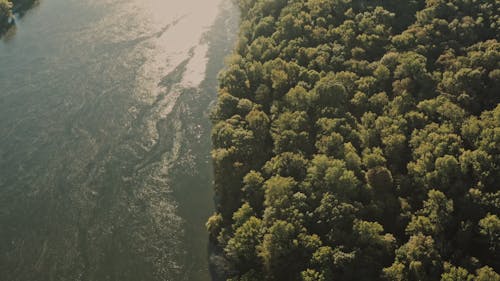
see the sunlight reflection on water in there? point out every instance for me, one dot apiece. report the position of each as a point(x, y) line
point(87, 88)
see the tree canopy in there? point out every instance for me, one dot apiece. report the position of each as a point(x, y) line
point(360, 140)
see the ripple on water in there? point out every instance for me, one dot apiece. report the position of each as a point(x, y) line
point(89, 136)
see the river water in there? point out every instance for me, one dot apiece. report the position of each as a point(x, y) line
point(105, 171)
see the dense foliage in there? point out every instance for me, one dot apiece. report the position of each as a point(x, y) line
point(360, 140)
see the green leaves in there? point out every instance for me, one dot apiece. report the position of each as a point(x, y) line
point(5, 12)
point(490, 227)
point(242, 247)
point(416, 260)
point(277, 249)
point(360, 140)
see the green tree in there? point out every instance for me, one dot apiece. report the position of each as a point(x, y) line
point(453, 273)
point(241, 249)
point(277, 250)
point(490, 227)
point(5, 12)
point(350, 128)
point(416, 260)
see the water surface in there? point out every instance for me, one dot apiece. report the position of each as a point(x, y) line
point(104, 138)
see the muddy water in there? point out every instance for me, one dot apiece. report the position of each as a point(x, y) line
point(104, 138)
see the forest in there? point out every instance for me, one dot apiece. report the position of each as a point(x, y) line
point(359, 140)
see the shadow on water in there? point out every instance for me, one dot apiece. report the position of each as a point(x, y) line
point(21, 7)
point(192, 184)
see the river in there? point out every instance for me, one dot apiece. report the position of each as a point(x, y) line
point(105, 169)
